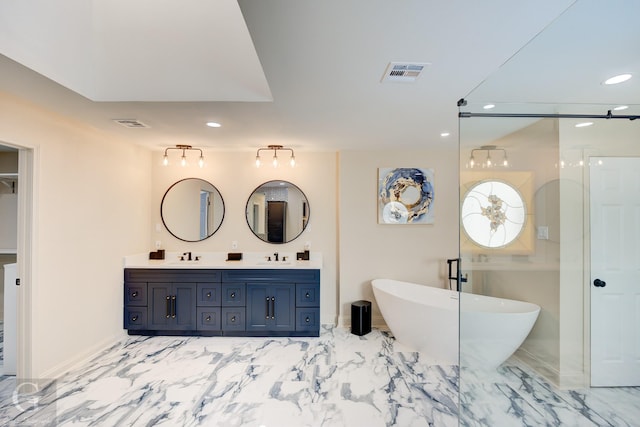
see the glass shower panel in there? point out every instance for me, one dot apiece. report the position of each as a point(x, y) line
point(525, 245)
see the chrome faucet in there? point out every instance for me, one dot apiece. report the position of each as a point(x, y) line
point(275, 255)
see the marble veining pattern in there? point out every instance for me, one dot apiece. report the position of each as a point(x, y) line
point(338, 379)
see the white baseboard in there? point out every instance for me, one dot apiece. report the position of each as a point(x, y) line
point(82, 358)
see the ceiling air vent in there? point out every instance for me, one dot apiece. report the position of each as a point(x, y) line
point(406, 72)
point(131, 123)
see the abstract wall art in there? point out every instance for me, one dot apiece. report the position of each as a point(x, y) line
point(405, 196)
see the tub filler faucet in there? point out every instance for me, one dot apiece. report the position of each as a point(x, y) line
point(458, 276)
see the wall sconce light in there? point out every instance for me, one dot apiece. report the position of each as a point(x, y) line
point(183, 160)
point(488, 161)
point(274, 161)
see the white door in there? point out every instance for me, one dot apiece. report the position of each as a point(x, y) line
point(615, 271)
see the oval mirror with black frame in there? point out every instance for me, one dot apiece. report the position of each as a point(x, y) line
point(277, 212)
point(192, 209)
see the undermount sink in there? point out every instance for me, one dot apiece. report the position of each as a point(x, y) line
point(184, 262)
point(274, 263)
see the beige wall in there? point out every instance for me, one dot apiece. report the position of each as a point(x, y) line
point(92, 206)
point(368, 250)
point(235, 175)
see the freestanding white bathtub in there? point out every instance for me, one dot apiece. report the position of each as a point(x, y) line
point(427, 319)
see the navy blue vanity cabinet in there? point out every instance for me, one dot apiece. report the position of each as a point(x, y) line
point(171, 306)
point(271, 307)
point(307, 307)
point(208, 312)
point(233, 307)
point(135, 306)
point(172, 301)
point(233, 302)
point(279, 302)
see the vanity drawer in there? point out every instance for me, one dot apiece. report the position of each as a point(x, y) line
point(233, 319)
point(307, 295)
point(209, 294)
point(233, 294)
point(135, 294)
point(208, 319)
point(307, 319)
point(135, 318)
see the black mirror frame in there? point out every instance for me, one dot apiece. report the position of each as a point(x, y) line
point(224, 210)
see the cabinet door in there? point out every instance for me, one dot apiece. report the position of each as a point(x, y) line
point(233, 294)
point(209, 294)
point(159, 309)
point(172, 306)
point(270, 307)
point(135, 294)
point(283, 307)
point(258, 307)
point(184, 307)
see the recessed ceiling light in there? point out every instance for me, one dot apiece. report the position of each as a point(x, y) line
point(584, 124)
point(443, 134)
point(213, 124)
point(489, 106)
point(620, 107)
point(617, 79)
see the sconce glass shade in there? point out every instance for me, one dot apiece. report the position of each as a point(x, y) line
point(183, 158)
point(489, 162)
point(275, 162)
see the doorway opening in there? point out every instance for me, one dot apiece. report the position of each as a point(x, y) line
point(16, 219)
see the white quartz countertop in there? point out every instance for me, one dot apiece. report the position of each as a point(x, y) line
point(218, 260)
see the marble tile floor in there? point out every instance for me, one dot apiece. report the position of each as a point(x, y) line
point(338, 379)
point(1, 342)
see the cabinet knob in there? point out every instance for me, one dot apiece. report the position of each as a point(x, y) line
point(134, 294)
point(233, 319)
point(233, 294)
point(134, 318)
point(307, 295)
point(208, 319)
point(208, 294)
point(307, 319)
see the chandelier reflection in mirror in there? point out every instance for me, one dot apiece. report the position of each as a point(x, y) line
point(493, 214)
point(183, 159)
point(274, 160)
point(481, 157)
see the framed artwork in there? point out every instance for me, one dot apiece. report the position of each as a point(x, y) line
point(405, 196)
point(496, 212)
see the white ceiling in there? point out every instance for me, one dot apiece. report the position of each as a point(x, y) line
point(307, 73)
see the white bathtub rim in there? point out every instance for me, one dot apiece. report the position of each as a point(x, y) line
point(469, 302)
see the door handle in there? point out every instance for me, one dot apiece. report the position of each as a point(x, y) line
point(167, 308)
point(599, 283)
point(273, 307)
point(267, 308)
point(173, 306)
